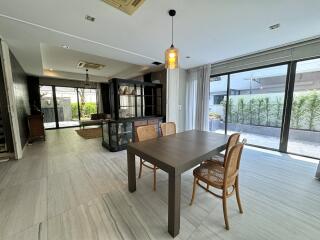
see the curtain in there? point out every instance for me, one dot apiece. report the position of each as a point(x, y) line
point(191, 98)
point(198, 87)
point(203, 88)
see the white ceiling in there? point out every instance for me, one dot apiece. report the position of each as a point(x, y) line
point(206, 30)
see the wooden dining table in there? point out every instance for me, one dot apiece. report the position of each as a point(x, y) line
point(174, 154)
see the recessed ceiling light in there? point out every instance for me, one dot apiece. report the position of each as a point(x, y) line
point(275, 26)
point(65, 46)
point(188, 57)
point(90, 18)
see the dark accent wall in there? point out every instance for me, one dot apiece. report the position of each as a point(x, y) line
point(21, 97)
point(34, 93)
point(105, 97)
point(63, 82)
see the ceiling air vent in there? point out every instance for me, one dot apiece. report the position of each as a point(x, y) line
point(88, 65)
point(127, 6)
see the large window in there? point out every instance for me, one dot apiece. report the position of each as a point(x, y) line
point(255, 105)
point(304, 134)
point(66, 106)
point(217, 103)
point(269, 107)
point(47, 106)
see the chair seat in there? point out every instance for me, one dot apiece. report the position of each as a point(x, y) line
point(218, 159)
point(211, 173)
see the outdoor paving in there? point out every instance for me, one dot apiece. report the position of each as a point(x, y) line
point(306, 148)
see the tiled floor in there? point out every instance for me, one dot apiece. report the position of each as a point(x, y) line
point(69, 188)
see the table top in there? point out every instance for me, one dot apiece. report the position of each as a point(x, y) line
point(180, 152)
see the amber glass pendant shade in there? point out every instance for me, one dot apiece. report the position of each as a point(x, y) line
point(172, 58)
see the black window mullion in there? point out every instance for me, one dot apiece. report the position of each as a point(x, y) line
point(286, 116)
point(55, 105)
point(227, 106)
point(78, 104)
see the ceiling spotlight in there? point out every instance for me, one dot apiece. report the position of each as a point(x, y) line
point(65, 46)
point(188, 57)
point(90, 18)
point(275, 26)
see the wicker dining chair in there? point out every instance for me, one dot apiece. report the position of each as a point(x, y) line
point(146, 133)
point(221, 177)
point(168, 128)
point(221, 158)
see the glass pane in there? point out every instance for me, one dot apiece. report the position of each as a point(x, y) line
point(304, 133)
point(87, 103)
point(105, 132)
point(47, 106)
point(67, 106)
point(217, 103)
point(255, 105)
point(139, 107)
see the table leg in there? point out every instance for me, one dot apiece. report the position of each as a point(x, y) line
point(131, 161)
point(174, 204)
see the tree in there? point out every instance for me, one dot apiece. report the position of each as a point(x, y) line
point(267, 104)
point(278, 111)
point(82, 102)
point(241, 106)
point(298, 110)
point(260, 106)
point(313, 108)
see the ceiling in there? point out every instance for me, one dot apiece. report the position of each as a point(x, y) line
point(207, 30)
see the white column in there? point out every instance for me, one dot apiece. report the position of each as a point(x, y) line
point(9, 88)
point(176, 95)
point(172, 100)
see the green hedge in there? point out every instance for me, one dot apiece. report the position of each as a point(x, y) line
point(85, 111)
point(266, 111)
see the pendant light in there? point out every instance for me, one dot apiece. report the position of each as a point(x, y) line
point(172, 53)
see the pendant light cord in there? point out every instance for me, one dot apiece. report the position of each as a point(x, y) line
point(172, 31)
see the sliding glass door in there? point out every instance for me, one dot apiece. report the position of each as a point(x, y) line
point(66, 106)
point(304, 133)
point(275, 107)
point(255, 105)
point(217, 103)
point(48, 106)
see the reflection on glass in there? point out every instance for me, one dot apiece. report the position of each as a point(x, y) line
point(217, 103)
point(67, 106)
point(47, 106)
point(304, 134)
point(255, 105)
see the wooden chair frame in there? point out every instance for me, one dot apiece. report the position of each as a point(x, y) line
point(226, 185)
point(154, 168)
point(168, 125)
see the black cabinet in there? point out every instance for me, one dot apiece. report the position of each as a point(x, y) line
point(134, 99)
point(116, 134)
